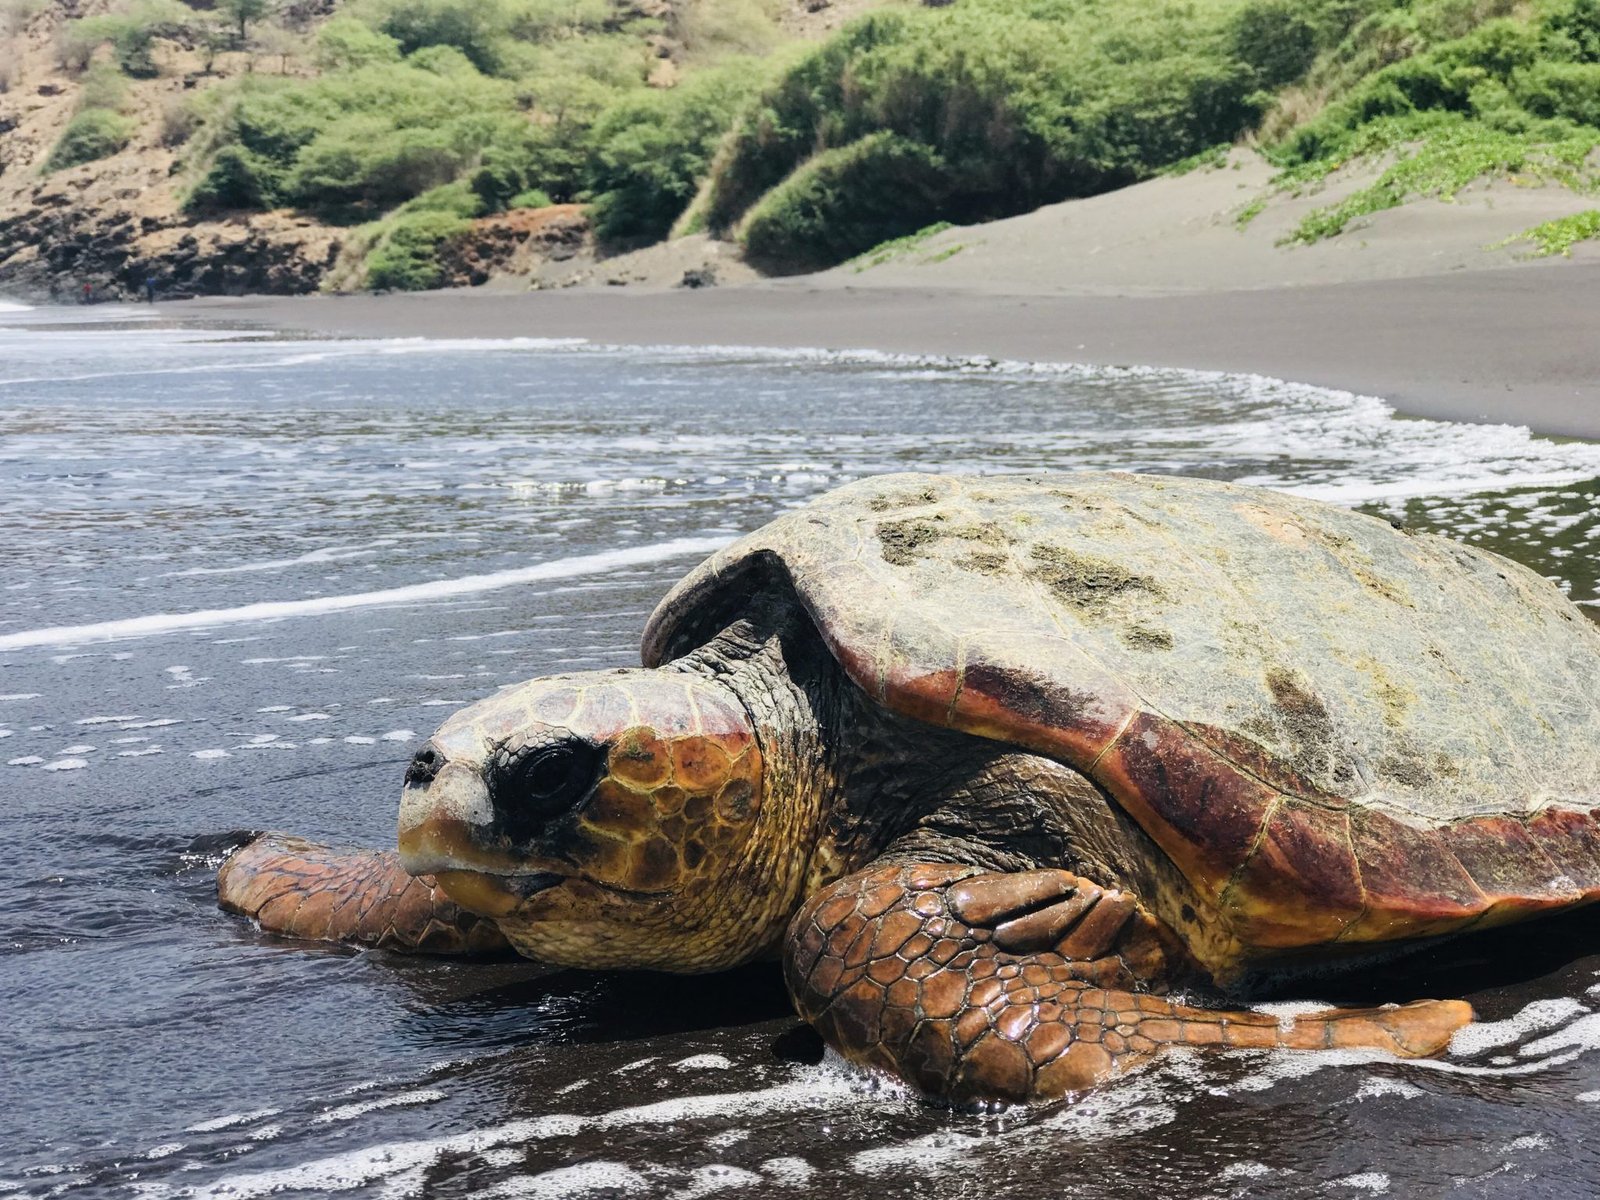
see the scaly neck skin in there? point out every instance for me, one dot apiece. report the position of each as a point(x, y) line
point(792, 706)
point(843, 777)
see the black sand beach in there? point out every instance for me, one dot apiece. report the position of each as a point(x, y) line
point(1518, 345)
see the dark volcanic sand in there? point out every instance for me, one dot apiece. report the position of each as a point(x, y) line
point(1518, 345)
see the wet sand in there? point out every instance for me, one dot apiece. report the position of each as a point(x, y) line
point(1510, 344)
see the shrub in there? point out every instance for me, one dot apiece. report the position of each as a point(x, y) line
point(805, 105)
point(650, 151)
point(1568, 90)
point(131, 31)
point(712, 29)
point(1275, 38)
point(239, 13)
point(846, 201)
point(346, 42)
point(376, 135)
point(102, 86)
point(405, 255)
point(555, 20)
point(93, 133)
point(237, 178)
point(457, 198)
point(366, 159)
point(477, 28)
point(507, 169)
point(178, 121)
point(1018, 105)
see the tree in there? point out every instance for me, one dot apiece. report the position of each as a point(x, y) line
point(242, 12)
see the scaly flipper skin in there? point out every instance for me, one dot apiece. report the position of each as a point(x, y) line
point(1015, 987)
point(305, 890)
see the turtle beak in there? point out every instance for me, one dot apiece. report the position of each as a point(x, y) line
point(445, 817)
point(437, 817)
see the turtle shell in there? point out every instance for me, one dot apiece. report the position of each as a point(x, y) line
point(1337, 730)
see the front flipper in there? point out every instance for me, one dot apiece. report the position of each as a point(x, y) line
point(305, 890)
point(1014, 987)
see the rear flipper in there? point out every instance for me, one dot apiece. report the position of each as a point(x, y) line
point(305, 890)
point(1015, 987)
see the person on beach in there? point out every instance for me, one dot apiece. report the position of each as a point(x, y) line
point(149, 289)
point(88, 293)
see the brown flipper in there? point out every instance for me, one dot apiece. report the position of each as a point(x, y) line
point(305, 890)
point(1015, 987)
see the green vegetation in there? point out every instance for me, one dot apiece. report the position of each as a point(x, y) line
point(650, 150)
point(987, 108)
point(400, 251)
point(1561, 235)
point(890, 250)
point(427, 114)
point(521, 102)
point(374, 136)
point(1446, 157)
point(1477, 94)
point(1250, 212)
point(94, 133)
point(1212, 158)
point(131, 31)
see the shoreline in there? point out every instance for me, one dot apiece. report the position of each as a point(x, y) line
point(1515, 345)
point(1504, 346)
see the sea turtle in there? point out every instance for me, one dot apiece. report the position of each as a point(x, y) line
point(992, 763)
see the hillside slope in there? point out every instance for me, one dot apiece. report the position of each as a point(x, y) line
point(225, 146)
point(116, 116)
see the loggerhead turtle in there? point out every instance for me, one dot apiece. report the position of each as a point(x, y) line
point(993, 763)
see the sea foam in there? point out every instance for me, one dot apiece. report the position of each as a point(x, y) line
point(419, 593)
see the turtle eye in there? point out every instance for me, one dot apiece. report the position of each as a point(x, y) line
point(540, 785)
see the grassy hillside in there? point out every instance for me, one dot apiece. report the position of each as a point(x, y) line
point(398, 123)
point(994, 107)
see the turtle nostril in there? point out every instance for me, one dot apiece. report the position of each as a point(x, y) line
point(424, 766)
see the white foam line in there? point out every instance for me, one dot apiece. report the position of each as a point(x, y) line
point(358, 1168)
point(1351, 494)
point(348, 1112)
point(439, 589)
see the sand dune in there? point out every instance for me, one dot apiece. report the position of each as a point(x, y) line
point(1179, 234)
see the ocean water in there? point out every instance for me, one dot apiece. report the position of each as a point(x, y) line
point(244, 575)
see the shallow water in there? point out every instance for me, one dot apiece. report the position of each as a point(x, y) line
point(245, 575)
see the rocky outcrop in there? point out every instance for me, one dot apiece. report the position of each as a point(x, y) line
point(53, 248)
point(525, 242)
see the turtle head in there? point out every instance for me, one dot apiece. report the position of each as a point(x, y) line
point(602, 820)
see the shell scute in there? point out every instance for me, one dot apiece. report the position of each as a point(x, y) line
point(1200, 810)
point(1301, 880)
point(1506, 863)
point(1572, 841)
point(1413, 884)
